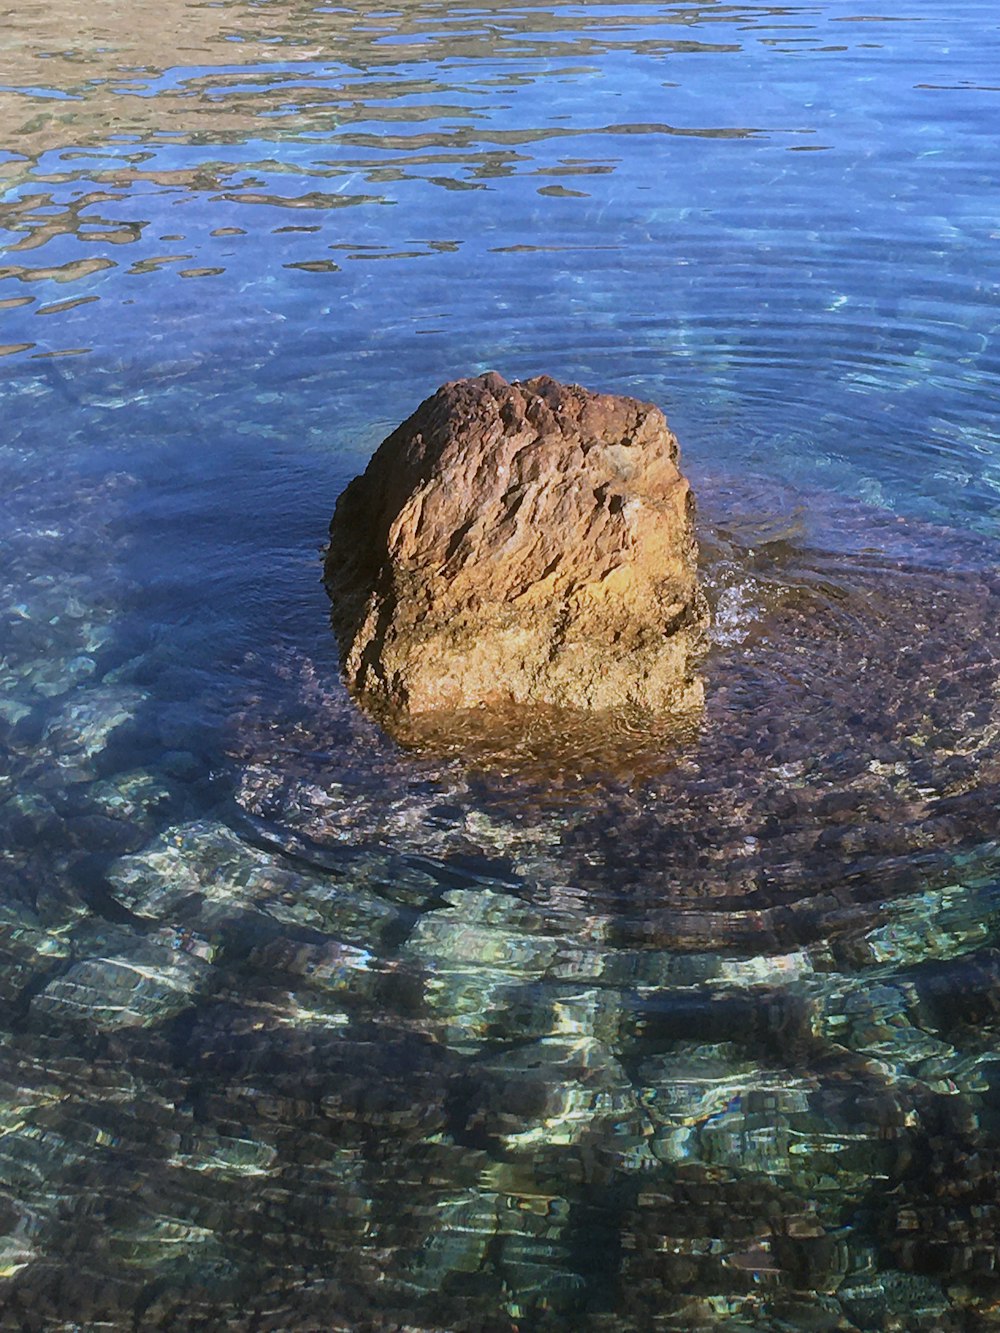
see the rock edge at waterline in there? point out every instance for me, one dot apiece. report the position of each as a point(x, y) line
point(524, 543)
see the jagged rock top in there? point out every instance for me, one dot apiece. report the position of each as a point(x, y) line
point(519, 543)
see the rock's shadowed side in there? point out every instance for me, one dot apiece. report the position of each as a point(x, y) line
point(519, 543)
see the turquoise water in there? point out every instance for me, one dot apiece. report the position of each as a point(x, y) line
point(303, 1031)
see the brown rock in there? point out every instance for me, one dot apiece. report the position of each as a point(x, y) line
point(519, 543)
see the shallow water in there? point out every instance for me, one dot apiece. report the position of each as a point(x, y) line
point(305, 1031)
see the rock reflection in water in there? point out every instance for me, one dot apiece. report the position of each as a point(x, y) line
point(553, 749)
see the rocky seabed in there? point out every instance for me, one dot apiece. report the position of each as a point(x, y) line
point(302, 1031)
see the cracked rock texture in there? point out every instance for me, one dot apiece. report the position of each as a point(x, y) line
point(524, 543)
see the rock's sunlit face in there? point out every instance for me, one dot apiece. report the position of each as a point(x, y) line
point(520, 544)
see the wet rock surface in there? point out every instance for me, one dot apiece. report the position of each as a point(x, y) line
point(526, 543)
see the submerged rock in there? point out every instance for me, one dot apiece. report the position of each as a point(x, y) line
point(151, 982)
point(202, 874)
point(525, 543)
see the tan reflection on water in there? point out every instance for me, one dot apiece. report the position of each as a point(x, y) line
point(111, 101)
point(67, 79)
point(416, 90)
point(399, 91)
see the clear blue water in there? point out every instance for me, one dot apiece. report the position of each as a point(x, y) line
point(303, 1031)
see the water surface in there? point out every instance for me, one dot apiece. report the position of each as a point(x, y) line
point(306, 1031)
